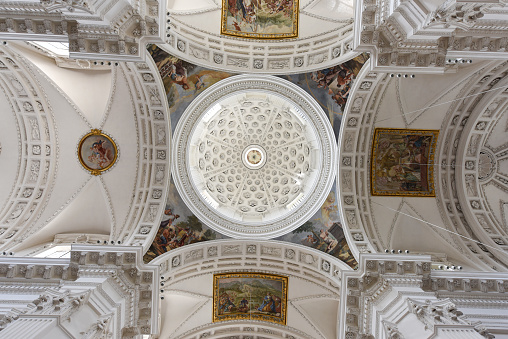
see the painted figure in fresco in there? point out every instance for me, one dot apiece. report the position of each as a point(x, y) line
point(320, 244)
point(310, 238)
point(168, 218)
point(167, 232)
point(268, 304)
point(256, 15)
point(329, 211)
point(225, 304)
point(102, 156)
point(176, 70)
point(314, 240)
point(280, 6)
point(329, 240)
point(171, 235)
point(402, 163)
point(199, 83)
point(179, 75)
point(338, 80)
point(247, 11)
point(232, 7)
point(278, 304)
point(244, 305)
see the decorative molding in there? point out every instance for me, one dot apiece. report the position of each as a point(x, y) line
point(387, 288)
point(151, 114)
point(113, 30)
point(38, 167)
point(255, 56)
point(392, 32)
point(65, 285)
point(448, 185)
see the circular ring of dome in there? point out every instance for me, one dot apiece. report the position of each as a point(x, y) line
point(254, 156)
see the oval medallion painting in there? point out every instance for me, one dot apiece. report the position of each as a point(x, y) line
point(97, 152)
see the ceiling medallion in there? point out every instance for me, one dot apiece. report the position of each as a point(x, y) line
point(253, 156)
point(97, 152)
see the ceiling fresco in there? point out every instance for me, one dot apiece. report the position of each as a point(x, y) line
point(250, 295)
point(402, 162)
point(183, 81)
point(263, 19)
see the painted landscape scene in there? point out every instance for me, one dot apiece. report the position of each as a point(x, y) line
point(250, 296)
point(260, 19)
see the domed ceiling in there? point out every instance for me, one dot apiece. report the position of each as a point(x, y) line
point(202, 138)
point(259, 159)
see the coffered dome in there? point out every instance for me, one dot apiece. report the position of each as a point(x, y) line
point(259, 160)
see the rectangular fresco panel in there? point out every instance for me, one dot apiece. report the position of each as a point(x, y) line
point(402, 162)
point(249, 295)
point(260, 19)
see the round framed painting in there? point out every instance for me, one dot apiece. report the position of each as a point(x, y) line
point(97, 152)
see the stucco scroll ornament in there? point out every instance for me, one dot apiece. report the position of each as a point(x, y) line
point(100, 327)
point(441, 312)
point(452, 14)
point(67, 5)
point(392, 331)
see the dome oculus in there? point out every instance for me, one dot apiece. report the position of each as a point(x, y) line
point(258, 159)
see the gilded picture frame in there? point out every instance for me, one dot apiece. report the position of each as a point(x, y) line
point(260, 19)
point(97, 152)
point(402, 162)
point(250, 295)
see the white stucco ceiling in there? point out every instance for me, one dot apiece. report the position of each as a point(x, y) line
point(445, 227)
point(68, 199)
point(254, 128)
